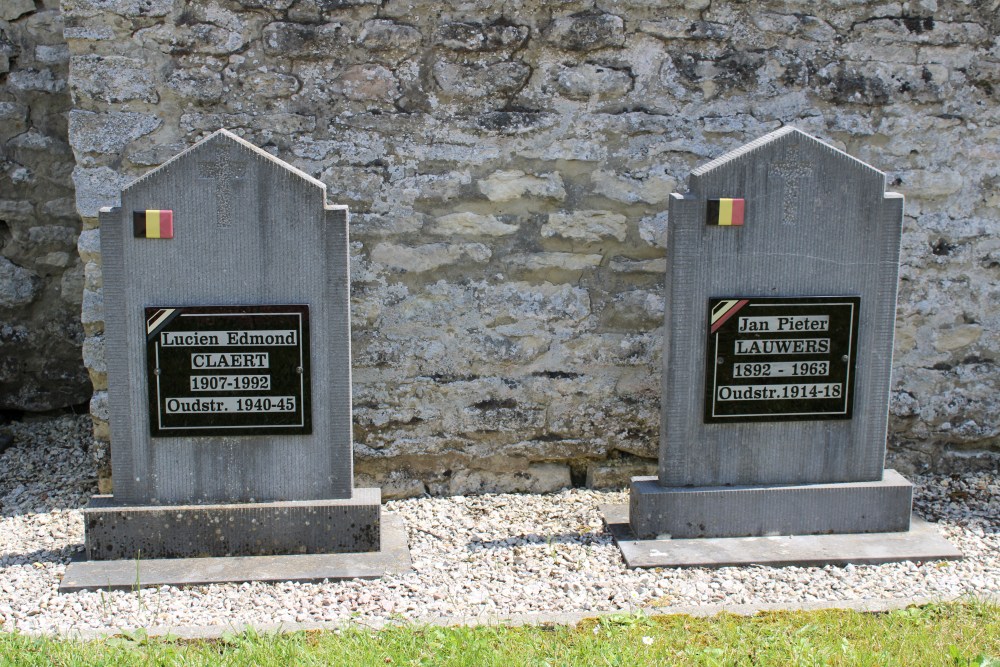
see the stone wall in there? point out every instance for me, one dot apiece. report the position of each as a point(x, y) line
point(41, 276)
point(508, 166)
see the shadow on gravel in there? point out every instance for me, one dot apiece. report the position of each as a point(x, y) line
point(38, 506)
point(47, 466)
point(41, 556)
point(534, 539)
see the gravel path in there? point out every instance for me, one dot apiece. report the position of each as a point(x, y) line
point(474, 557)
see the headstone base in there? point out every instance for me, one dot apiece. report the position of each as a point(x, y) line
point(920, 543)
point(392, 558)
point(116, 532)
point(800, 509)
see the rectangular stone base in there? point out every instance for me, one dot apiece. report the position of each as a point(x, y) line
point(920, 543)
point(392, 558)
point(738, 511)
point(116, 532)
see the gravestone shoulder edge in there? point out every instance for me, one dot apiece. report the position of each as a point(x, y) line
point(895, 196)
point(337, 214)
point(107, 216)
point(891, 213)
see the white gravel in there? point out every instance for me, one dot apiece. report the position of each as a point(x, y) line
point(473, 557)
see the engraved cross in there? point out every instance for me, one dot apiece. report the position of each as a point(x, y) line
point(227, 174)
point(793, 169)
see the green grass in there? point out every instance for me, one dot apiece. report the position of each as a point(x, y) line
point(959, 634)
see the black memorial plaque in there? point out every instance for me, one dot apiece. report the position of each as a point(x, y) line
point(780, 358)
point(228, 370)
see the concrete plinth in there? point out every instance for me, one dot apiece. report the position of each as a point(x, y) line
point(116, 532)
point(738, 511)
point(392, 558)
point(920, 543)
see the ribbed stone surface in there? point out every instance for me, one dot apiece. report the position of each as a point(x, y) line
point(262, 235)
point(818, 223)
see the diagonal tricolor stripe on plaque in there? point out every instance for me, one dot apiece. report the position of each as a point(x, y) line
point(158, 318)
point(724, 310)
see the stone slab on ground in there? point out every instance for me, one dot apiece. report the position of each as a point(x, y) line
point(782, 509)
point(115, 532)
point(392, 558)
point(920, 543)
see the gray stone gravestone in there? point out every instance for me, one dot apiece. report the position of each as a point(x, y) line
point(780, 308)
point(226, 292)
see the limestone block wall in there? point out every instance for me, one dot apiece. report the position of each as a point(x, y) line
point(508, 166)
point(41, 275)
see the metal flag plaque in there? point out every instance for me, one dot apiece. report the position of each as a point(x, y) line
point(228, 370)
point(780, 358)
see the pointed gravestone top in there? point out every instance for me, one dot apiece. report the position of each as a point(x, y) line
point(800, 169)
point(780, 306)
point(805, 220)
point(227, 331)
point(226, 279)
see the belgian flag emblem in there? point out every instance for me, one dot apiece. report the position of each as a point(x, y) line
point(725, 212)
point(153, 224)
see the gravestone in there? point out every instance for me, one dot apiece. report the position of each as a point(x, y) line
point(226, 293)
point(780, 307)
